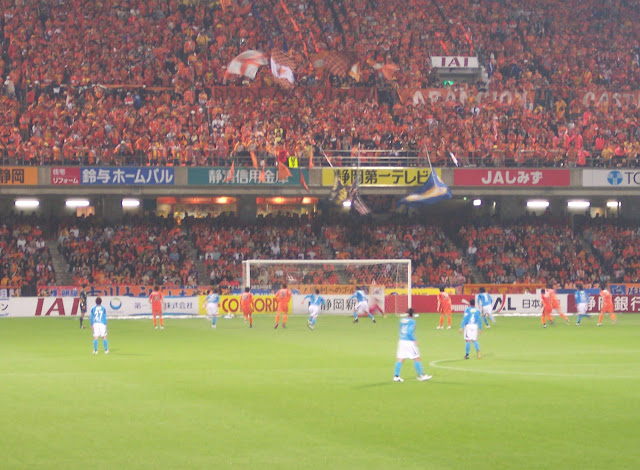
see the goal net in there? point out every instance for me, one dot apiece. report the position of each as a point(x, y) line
point(387, 283)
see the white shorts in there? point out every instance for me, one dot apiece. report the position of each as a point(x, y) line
point(487, 309)
point(471, 332)
point(362, 307)
point(407, 350)
point(99, 330)
point(582, 308)
point(314, 310)
point(212, 310)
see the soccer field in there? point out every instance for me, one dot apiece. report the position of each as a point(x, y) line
point(192, 397)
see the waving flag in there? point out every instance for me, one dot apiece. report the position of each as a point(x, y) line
point(356, 200)
point(282, 67)
point(433, 191)
point(339, 193)
point(336, 62)
point(247, 64)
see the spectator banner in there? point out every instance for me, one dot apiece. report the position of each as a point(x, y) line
point(621, 303)
point(64, 176)
point(418, 96)
point(127, 176)
point(611, 178)
point(454, 62)
point(379, 176)
point(243, 176)
point(625, 289)
point(18, 176)
point(502, 177)
point(9, 291)
point(599, 97)
point(240, 93)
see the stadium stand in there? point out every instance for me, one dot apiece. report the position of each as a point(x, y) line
point(25, 261)
point(533, 250)
point(139, 87)
point(151, 250)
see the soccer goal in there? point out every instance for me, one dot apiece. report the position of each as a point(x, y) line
point(387, 283)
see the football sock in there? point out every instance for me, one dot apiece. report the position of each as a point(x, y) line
point(277, 318)
point(418, 366)
point(105, 344)
point(371, 316)
point(563, 316)
point(600, 318)
point(215, 318)
point(486, 320)
point(161, 321)
point(398, 367)
point(250, 320)
point(81, 322)
point(355, 314)
point(155, 322)
point(313, 321)
point(476, 345)
point(448, 320)
point(613, 317)
point(467, 348)
point(284, 318)
point(544, 321)
point(95, 344)
point(579, 318)
point(441, 320)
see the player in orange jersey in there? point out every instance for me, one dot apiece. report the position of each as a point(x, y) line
point(555, 304)
point(282, 305)
point(246, 305)
point(607, 305)
point(156, 298)
point(547, 308)
point(444, 307)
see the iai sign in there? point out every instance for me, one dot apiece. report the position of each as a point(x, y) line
point(611, 178)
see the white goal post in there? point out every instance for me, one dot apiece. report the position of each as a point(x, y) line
point(387, 282)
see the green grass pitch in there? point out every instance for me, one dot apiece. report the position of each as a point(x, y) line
point(192, 397)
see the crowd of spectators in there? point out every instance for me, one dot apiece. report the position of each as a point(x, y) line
point(538, 251)
point(617, 248)
point(224, 242)
point(82, 101)
point(25, 261)
point(136, 251)
point(435, 258)
point(156, 250)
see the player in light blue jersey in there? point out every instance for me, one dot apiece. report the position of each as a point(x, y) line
point(212, 301)
point(362, 305)
point(408, 348)
point(98, 320)
point(485, 305)
point(582, 302)
point(471, 327)
point(316, 302)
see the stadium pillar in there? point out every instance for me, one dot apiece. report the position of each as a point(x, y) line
point(112, 208)
point(510, 208)
point(557, 207)
point(630, 209)
point(247, 208)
